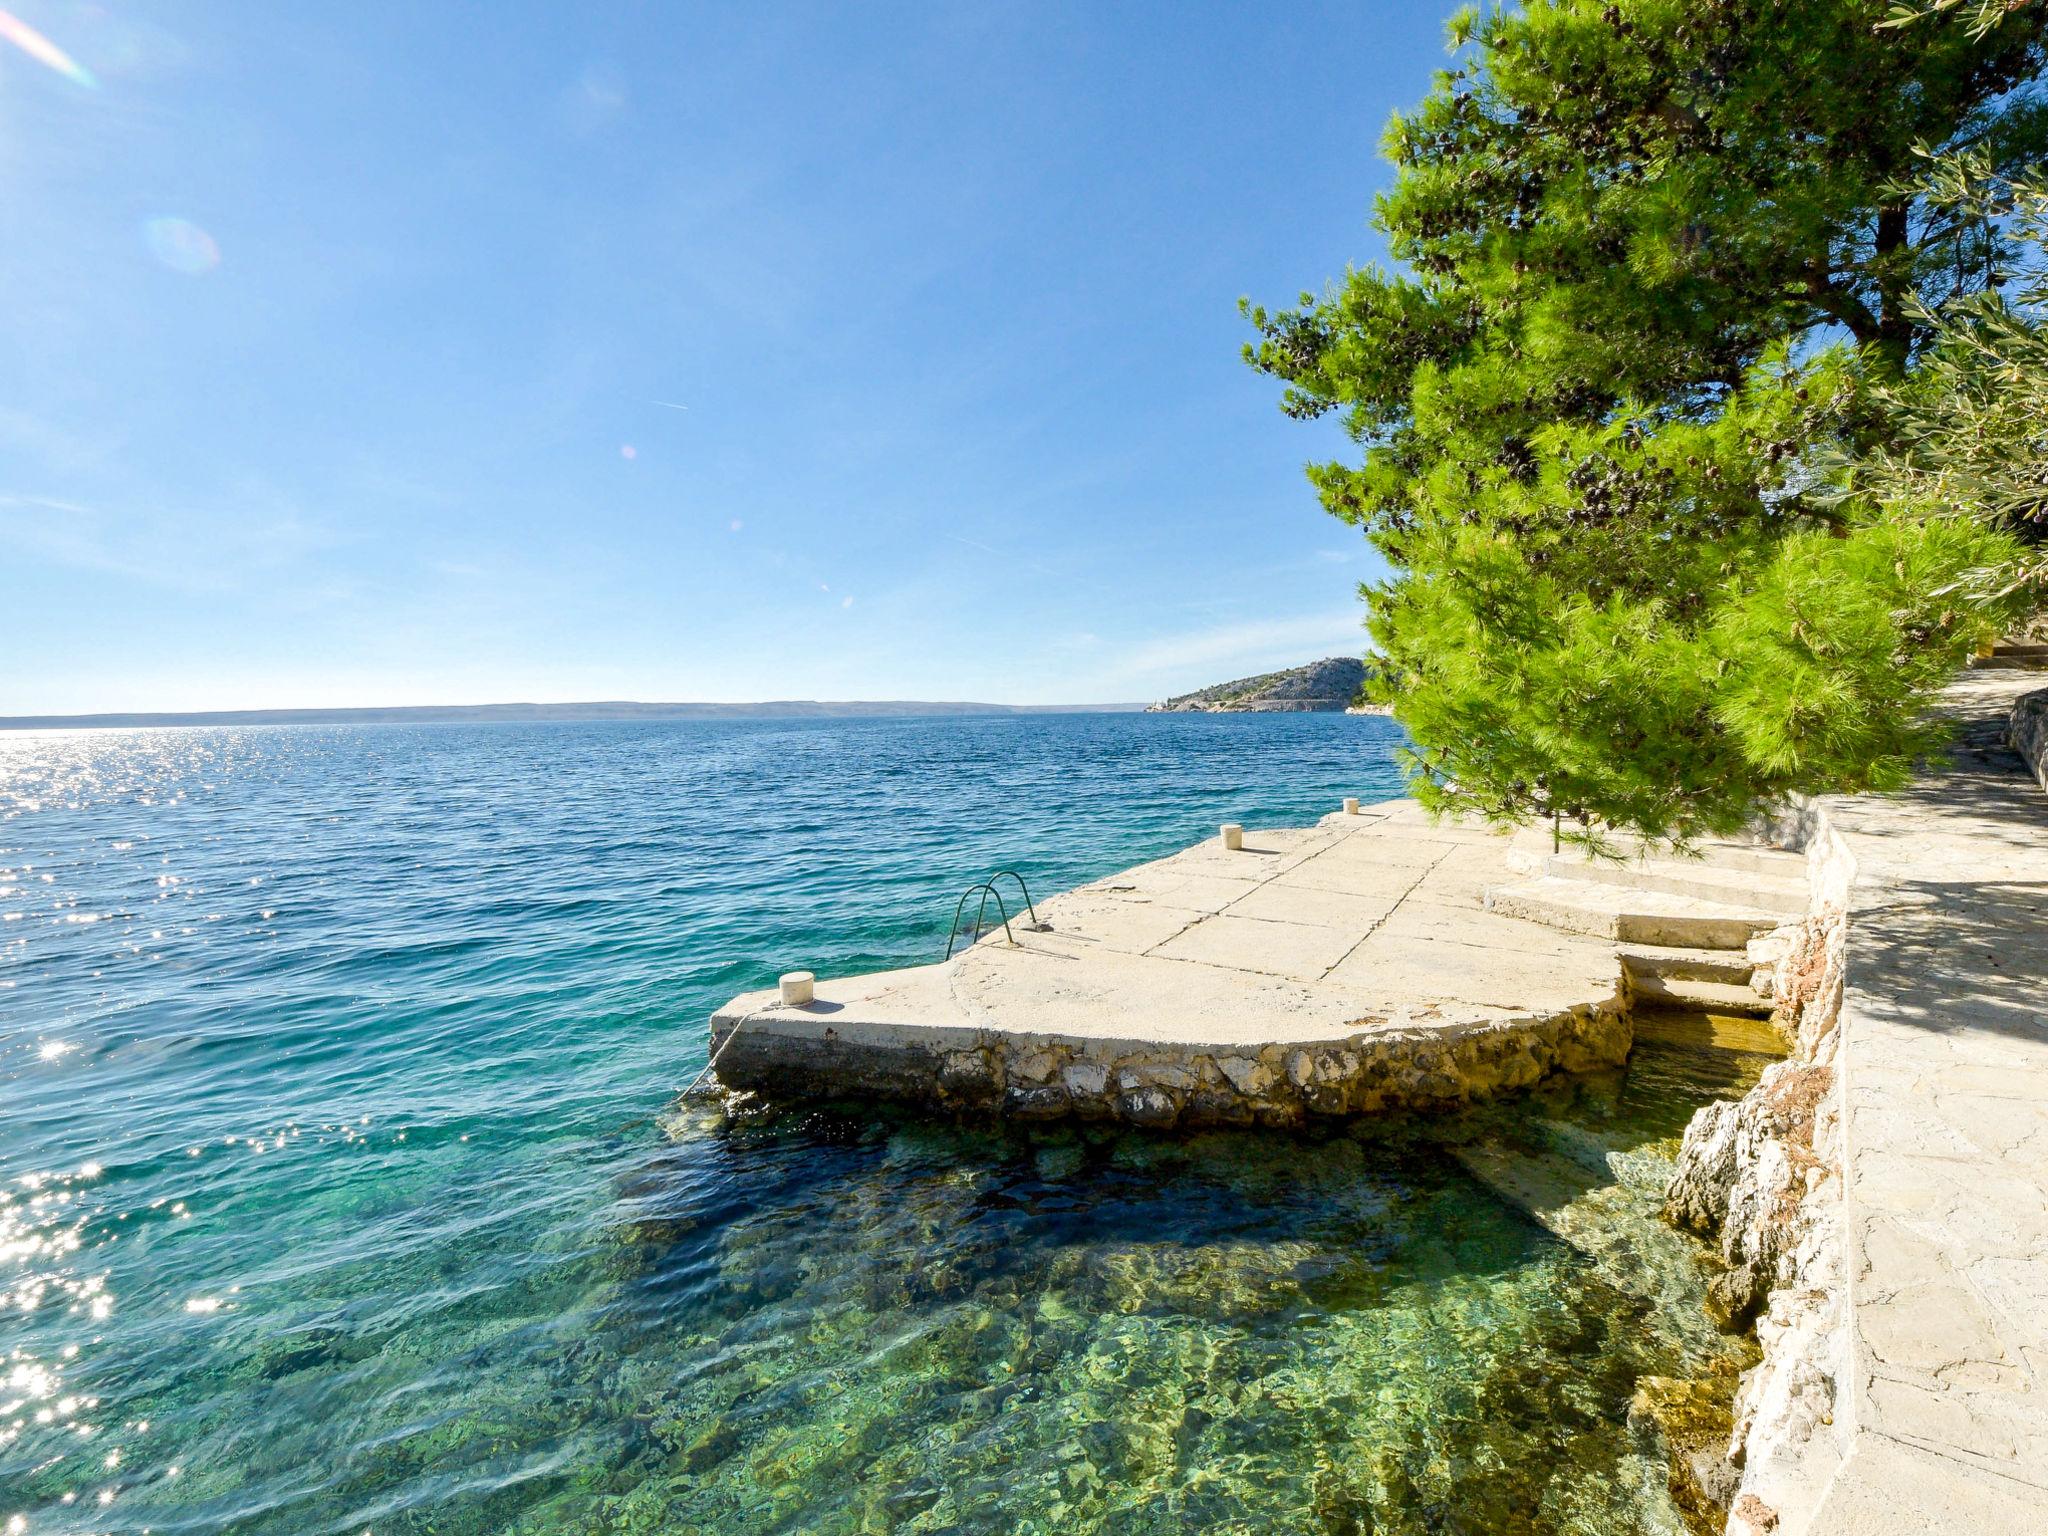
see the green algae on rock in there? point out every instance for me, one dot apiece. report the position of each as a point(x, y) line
point(1692, 1419)
point(900, 1326)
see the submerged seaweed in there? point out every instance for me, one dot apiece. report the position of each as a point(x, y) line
point(1392, 1327)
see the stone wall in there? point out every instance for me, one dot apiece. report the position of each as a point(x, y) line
point(2028, 733)
point(1039, 1077)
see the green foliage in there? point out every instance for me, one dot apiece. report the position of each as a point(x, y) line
point(1666, 270)
point(1968, 431)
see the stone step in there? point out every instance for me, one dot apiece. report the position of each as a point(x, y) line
point(1532, 845)
point(1639, 1256)
point(1630, 916)
point(1785, 894)
point(1721, 996)
point(2006, 661)
point(1724, 980)
point(2014, 656)
point(1729, 967)
point(1716, 1028)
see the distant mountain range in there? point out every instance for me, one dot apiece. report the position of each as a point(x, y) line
point(619, 709)
point(1330, 684)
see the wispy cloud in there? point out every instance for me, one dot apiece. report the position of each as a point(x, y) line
point(54, 450)
point(594, 100)
point(158, 547)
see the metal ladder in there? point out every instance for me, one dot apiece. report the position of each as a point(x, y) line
point(986, 889)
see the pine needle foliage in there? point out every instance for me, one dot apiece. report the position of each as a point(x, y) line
point(1968, 429)
point(1666, 274)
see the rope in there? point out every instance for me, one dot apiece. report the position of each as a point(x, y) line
point(724, 1046)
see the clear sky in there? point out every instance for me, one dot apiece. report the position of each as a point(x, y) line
point(390, 353)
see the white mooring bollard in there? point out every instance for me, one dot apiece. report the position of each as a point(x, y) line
point(798, 987)
point(1233, 835)
point(1350, 805)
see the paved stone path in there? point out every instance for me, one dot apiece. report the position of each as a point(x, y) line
point(1377, 917)
point(1944, 1058)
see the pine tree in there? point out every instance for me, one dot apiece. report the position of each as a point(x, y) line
point(1659, 264)
point(1966, 434)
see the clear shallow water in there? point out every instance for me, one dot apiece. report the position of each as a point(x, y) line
point(339, 1187)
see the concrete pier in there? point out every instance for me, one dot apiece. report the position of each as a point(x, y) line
point(1342, 968)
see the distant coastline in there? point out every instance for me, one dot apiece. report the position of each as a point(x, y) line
point(622, 709)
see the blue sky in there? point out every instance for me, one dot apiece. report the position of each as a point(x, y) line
point(335, 339)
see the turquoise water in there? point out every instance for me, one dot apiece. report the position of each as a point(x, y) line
point(343, 1188)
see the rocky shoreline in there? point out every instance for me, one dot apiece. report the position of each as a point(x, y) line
point(1758, 1177)
point(1875, 1201)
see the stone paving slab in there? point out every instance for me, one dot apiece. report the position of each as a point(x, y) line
point(1285, 900)
point(1897, 1489)
point(1303, 951)
point(1462, 974)
point(1330, 968)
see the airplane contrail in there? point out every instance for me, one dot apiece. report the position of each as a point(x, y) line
point(975, 544)
point(1003, 554)
point(670, 404)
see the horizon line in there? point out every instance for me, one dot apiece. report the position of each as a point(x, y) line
point(590, 710)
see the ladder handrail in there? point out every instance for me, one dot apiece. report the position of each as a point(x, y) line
point(992, 879)
point(987, 890)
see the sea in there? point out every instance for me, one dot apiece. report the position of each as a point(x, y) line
point(345, 1188)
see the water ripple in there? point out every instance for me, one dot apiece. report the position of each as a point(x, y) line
point(337, 1190)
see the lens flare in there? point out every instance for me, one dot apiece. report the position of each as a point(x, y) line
point(43, 51)
point(181, 245)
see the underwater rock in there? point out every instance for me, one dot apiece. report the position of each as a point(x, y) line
point(1691, 1419)
point(888, 1321)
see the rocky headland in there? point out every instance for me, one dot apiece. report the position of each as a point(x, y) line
point(1331, 684)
